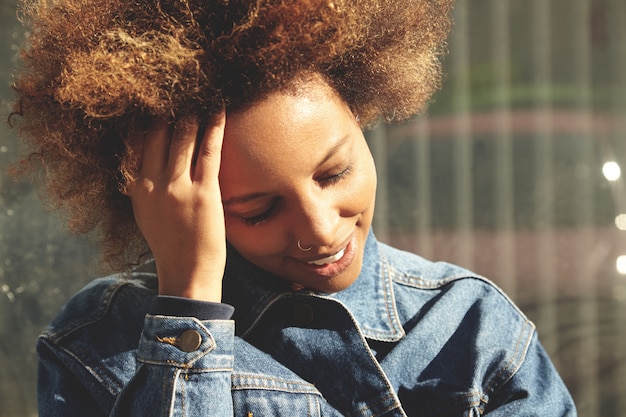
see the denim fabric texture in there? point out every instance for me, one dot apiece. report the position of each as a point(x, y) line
point(408, 338)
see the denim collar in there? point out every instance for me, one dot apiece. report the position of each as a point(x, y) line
point(370, 299)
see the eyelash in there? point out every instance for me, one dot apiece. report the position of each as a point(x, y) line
point(330, 180)
point(255, 220)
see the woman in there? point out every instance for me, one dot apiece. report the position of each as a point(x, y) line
point(226, 137)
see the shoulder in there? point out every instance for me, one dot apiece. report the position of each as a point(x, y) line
point(94, 338)
point(467, 329)
point(453, 291)
point(110, 301)
point(461, 321)
point(410, 271)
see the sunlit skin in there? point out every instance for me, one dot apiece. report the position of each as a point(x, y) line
point(294, 166)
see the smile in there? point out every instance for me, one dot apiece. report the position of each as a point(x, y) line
point(329, 259)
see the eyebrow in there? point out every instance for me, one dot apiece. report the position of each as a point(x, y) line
point(244, 198)
point(253, 196)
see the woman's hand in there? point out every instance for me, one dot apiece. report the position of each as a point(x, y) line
point(178, 207)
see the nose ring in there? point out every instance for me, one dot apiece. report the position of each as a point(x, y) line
point(303, 249)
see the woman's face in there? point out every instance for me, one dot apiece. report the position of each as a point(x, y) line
point(296, 167)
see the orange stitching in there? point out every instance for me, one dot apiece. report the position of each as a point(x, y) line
point(169, 340)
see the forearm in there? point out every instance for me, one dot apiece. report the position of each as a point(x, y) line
point(185, 352)
point(173, 376)
point(167, 381)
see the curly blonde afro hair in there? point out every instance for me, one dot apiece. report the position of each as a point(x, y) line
point(94, 69)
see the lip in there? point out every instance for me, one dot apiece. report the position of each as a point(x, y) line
point(337, 267)
point(328, 259)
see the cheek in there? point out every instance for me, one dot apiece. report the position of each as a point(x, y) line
point(254, 241)
point(361, 193)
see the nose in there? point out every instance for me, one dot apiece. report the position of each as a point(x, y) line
point(317, 223)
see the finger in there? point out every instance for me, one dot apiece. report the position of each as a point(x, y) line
point(210, 150)
point(182, 147)
point(156, 149)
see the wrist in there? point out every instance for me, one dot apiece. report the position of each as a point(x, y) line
point(203, 285)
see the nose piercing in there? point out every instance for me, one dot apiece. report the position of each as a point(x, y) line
point(303, 249)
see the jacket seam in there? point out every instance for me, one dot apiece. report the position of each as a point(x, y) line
point(390, 300)
point(287, 386)
point(515, 361)
point(380, 401)
point(262, 313)
point(401, 279)
point(105, 379)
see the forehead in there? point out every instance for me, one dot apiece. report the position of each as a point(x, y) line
point(287, 121)
point(284, 135)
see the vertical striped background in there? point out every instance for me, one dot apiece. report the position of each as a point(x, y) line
point(504, 175)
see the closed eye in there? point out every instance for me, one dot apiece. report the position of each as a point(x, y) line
point(260, 218)
point(334, 178)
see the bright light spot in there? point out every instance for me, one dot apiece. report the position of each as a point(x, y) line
point(611, 171)
point(620, 264)
point(620, 221)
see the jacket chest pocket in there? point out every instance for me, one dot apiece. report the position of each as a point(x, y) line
point(252, 402)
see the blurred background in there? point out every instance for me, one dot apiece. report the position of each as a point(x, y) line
point(514, 172)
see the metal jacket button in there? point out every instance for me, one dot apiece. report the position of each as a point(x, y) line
point(190, 340)
point(303, 314)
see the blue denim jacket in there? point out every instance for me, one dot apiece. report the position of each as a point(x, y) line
point(408, 338)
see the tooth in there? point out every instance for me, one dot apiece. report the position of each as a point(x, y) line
point(328, 259)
